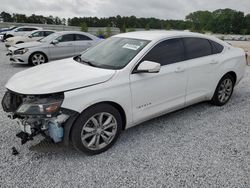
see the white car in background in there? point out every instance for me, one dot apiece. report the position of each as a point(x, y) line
point(20, 31)
point(121, 82)
point(58, 45)
point(32, 36)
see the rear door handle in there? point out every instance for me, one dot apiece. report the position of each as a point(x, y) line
point(179, 70)
point(213, 62)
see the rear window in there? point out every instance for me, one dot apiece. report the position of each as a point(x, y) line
point(216, 47)
point(81, 37)
point(196, 47)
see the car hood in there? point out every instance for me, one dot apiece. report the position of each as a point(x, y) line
point(28, 44)
point(57, 76)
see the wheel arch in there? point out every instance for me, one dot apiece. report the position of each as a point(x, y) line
point(117, 106)
point(9, 35)
point(38, 52)
point(19, 42)
point(233, 74)
point(68, 127)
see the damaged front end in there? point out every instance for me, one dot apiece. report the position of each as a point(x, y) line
point(37, 114)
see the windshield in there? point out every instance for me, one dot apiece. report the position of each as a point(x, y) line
point(113, 53)
point(49, 38)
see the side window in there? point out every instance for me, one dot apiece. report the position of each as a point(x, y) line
point(20, 30)
point(31, 29)
point(197, 47)
point(46, 33)
point(66, 38)
point(166, 52)
point(28, 29)
point(216, 47)
point(37, 34)
point(81, 37)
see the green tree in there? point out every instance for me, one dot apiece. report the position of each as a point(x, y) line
point(84, 27)
point(100, 33)
point(108, 32)
point(147, 27)
point(123, 28)
point(6, 17)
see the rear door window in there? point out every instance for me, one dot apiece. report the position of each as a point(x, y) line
point(46, 33)
point(29, 29)
point(81, 37)
point(196, 47)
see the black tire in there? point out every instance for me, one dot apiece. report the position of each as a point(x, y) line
point(83, 122)
point(217, 99)
point(43, 58)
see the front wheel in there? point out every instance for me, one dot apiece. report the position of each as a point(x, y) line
point(224, 90)
point(37, 58)
point(97, 129)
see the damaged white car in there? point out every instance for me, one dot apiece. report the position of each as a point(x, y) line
point(125, 80)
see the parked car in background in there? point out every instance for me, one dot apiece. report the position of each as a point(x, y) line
point(4, 30)
point(119, 83)
point(20, 31)
point(32, 36)
point(58, 45)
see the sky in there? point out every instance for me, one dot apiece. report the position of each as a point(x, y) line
point(163, 9)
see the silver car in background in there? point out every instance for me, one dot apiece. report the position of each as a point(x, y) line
point(58, 45)
point(29, 37)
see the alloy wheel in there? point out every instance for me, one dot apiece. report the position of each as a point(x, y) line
point(225, 90)
point(38, 59)
point(99, 131)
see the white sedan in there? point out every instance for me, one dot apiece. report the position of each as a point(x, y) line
point(29, 37)
point(125, 80)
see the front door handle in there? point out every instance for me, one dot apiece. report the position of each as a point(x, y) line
point(179, 70)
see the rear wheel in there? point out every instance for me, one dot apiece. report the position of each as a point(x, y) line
point(37, 58)
point(224, 90)
point(97, 129)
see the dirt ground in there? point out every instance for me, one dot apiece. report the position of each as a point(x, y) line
point(242, 44)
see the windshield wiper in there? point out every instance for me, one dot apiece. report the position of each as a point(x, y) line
point(88, 62)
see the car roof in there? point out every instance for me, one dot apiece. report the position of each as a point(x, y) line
point(29, 26)
point(161, 34)
point(69, 32)
point(42, 30)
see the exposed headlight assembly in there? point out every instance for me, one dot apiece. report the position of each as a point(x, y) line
point(41, 106)
point(20, 51)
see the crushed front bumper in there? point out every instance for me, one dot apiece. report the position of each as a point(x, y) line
point(55, 127)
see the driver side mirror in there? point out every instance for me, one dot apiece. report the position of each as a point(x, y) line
point(54, 42)
point(30, 36)
point(148, 67)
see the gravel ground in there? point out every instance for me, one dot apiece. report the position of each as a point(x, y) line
point(200, 146)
